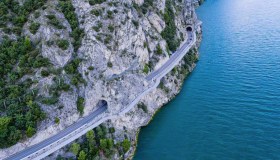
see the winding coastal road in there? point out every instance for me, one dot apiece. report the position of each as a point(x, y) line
point(66, 136)
point(25, 153)
point(175, 56)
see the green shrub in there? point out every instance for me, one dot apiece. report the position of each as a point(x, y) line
point(145, 45)
point(45, 73)
point(126, 145)
point(60, 107)
point(76, 79)
point(30, 131)
point(98, 27)
point(112, 130)
point(164, 88)
point(54, 21)
point(50, 101)
point(90, 136)
point(72, 67)
point(98, 38)
point(103, 144)
point(111, 28)
point(37, 14)
point(94, 2)
point(56, 120)
point(64, 87)
point(146, 5)
point(82, 155)
point(90, 68)
point(41, 62)
point(34, 27)
point(136, 23)
point(75, 148)
point(100, 132)
point(143, 107)
point(110, 64)
point(146, 69)
point(158, 50)
point(80, 104)
point(108, 39)
point(110, 14)
point(63, 44)
point(59, 86)
point(96, 12)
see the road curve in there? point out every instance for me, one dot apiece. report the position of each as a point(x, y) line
point(177, 55)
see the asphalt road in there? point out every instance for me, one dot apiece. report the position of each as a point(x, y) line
point(174, 56)
point(25, 153)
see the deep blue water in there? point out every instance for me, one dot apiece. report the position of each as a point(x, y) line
point(229, 108)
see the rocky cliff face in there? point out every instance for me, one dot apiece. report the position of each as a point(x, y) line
point(122, 42)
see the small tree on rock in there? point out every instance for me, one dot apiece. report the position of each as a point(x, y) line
point(82, 155)
point(126, 145)
point(75, 148)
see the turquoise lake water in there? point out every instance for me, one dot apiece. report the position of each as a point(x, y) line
point(229, 108)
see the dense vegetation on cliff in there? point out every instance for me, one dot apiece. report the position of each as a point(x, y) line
point(16, 14)
point(98, 143)
point(19, 58)
point(169, 32)
point(20, 61)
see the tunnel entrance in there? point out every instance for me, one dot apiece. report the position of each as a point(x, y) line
point(189, 29)
point(102, 103)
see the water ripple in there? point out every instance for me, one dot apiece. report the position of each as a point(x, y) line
point(229, 108)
